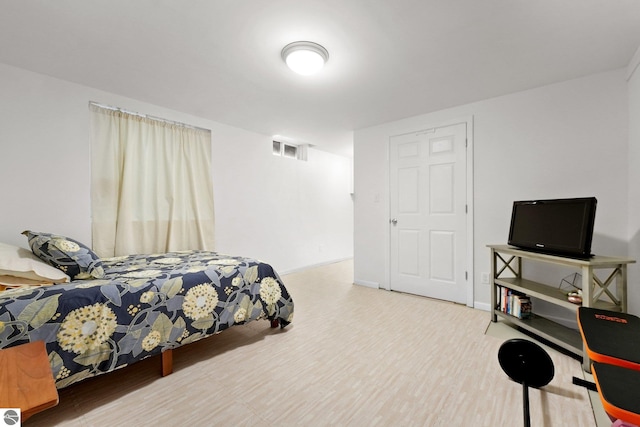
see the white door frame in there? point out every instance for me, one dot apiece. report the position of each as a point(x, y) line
point(469, 201)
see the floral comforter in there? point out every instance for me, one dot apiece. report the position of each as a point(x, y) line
point(145, 304)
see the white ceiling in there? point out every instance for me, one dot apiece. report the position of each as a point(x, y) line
point(389, 59)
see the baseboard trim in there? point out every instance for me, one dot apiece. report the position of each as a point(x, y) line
point(308, 267)
point(482, 306)
point(366, 283)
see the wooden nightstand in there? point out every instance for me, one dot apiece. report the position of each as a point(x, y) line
point(26, 381)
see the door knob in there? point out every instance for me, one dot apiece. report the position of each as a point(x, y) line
point(393, 221)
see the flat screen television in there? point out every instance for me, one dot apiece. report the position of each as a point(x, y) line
point(555, 226)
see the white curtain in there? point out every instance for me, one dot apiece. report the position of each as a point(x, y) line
point(151, 188)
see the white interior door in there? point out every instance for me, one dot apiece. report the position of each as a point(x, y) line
point(428, 224)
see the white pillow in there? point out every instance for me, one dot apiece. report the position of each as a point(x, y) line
point(19, 262)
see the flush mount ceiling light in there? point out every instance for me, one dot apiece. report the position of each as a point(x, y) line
point(305, 58)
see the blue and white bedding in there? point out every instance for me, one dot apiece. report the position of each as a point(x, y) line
point(145, 304)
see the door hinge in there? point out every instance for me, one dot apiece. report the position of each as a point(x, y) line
point(466, 275)
point(466, 208)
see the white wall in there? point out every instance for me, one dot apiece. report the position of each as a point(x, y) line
point(634, 181)
point(564, 140)
point(290, 213)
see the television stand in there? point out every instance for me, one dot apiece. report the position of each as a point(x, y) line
point(506, 272)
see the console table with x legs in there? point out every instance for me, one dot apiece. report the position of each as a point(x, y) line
point(604, 285)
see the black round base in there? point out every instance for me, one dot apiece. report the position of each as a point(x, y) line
point(526, 362)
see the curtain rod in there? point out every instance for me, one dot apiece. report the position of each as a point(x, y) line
point(146, 116)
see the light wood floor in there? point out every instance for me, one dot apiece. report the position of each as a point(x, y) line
point(352, 356)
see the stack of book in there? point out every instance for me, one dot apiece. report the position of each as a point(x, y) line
point(514, 303)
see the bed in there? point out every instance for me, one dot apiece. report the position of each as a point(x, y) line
point(140, 306)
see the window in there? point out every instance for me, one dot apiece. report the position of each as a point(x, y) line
point(290, 151)
point(151, 188)
point(285, 150)
point(277, 148)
